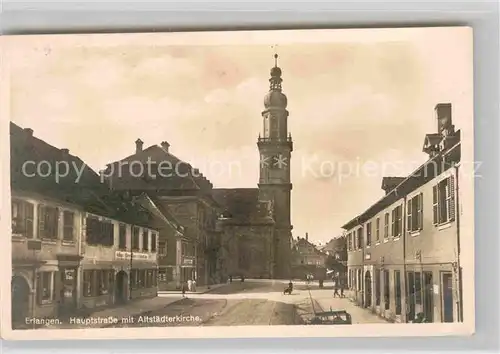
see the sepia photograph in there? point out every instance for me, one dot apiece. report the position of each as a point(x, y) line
point(284, 183)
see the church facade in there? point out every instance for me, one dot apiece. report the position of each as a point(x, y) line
point(209, 234)
point(256, 222)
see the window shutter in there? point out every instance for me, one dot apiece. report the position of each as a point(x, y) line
point(41, 221)
point(435, 219)
point(451, 192)
point(400, 220)
point(421, 211)
point(57, 220)
point(29, 211)
point(39, 288)
point(409, 218)
point(393, 214)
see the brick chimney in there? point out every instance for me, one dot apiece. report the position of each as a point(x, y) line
point(138, 146)
point(307, 237)
point(165, 145)
point(65, 152)
point(28, 131)
point(443, 116)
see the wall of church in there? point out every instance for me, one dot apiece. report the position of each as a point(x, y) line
point(248, 250)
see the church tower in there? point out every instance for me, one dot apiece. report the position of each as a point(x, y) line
point(275, 147)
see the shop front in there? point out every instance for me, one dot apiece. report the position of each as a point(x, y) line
point(68, 283)
point(136, 275)
point(188, 269)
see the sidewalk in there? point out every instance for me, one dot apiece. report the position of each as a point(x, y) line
point(133, 308)
point(199, 290)
point(325, 299)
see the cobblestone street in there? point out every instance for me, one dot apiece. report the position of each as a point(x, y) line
point(253, 302)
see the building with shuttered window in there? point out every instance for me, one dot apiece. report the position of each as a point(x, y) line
point(404, 250)
point(71, 236)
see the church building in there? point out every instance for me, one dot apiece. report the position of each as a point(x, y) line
point(257, 221)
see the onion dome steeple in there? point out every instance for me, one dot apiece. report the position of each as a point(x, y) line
point(275, 98)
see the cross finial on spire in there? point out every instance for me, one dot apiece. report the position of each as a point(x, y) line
point(275, 47)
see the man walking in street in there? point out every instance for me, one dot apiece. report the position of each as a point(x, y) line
point(336, 291)
point(184, 288)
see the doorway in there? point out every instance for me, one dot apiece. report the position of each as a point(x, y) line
point(428, 297)
point(121, 287)
point(368, 289)
point(20, 300)
point(67, 296)
point(447, 296)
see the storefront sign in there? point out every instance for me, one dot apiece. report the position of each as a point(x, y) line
point(135, 255)
point(69, 274)
point(188, 261)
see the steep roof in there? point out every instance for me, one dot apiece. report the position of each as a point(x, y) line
point(389, 183)
point(243, 204)
point(430, 169)
point(302, 244)
point(171, 173)
point(76, 182)
point(29, 152)
point(432, 139)
point(335, 244)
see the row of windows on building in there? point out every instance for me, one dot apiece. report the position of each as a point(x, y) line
point(95, 283)
point(23, 221)
point(98, 282)
point(443, 204)
point(419, 289)
point(98, 232)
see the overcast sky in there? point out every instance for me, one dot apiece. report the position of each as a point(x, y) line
point(356, 98)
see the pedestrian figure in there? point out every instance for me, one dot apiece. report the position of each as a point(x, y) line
point(342, 291)
point(193, 286)
point(336, 291)
point(183, 287)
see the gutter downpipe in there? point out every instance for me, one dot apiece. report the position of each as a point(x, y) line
point(459, 269)
point(363, 245)
point(403, 236)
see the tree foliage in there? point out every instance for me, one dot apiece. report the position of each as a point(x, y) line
point(334, 264)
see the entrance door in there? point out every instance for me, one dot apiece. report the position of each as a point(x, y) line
point(447, 296)
point(121, 287)
point(67, 296)
point(368, 289)
point(410, 296)
point(428, 297)
point(20, 300)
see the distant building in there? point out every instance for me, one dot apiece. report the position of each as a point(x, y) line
point(404, 250)
point(69, 236)
point(183, 198)
point(307, 259)
point(336, 249)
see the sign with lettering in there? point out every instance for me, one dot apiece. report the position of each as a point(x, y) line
point(124, 255)
point(69, 274)
point(188, 261)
